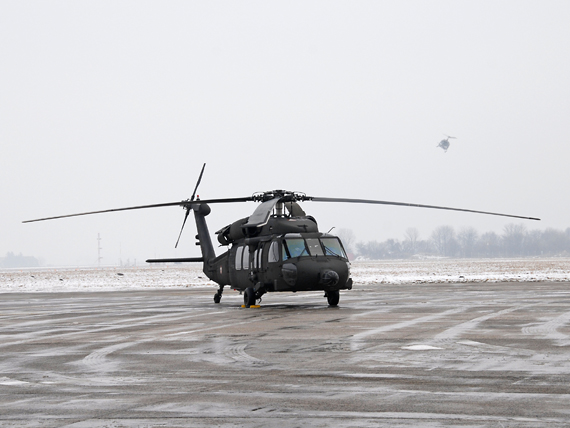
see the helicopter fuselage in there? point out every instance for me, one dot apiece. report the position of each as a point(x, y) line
point(280, 258)
point(444, 144)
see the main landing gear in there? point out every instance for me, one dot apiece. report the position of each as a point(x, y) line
point(249, 297)
point(218, 295)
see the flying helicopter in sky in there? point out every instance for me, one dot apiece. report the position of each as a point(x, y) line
point(444, 144)
point(277, 248)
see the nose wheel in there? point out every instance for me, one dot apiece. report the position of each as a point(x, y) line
point(333, 296)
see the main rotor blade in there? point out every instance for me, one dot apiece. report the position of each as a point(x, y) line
point(404, 204)
point(167, 204)
point(294, 209)
point(198, 183)
point(261, 214)
point(218, 201)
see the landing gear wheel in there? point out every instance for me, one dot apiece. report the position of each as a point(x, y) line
point(217, 298)
point(249, 297)
point(333, 297)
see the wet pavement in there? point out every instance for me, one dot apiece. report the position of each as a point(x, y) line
point(437, 355)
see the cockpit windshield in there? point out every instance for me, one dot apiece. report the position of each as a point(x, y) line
point(314, 246)
point(299, 247)
point(333, 247)
point(295, 247)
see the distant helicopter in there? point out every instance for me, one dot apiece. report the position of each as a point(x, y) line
point(444, 144)
point(277, 248)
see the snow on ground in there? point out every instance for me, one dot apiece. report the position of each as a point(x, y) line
point(363, 272)
point(102, 279)
point(461, 270)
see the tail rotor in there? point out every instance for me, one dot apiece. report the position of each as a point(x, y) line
point(188, 207)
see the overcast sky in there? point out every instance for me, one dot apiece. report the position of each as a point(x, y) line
point(106, 104)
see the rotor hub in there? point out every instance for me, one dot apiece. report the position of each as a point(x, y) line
point(283, 195)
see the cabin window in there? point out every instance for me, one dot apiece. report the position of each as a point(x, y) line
point(333, 247)
point(246, 257)
point(239, 255)
point(257, 258)
point(242, 258)
point(295, 247)
point(314, 246)
point(274, 254)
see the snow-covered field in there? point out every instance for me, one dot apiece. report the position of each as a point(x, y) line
point(363, 272)
point(461, 270)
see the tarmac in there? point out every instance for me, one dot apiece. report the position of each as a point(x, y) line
point(437, 355)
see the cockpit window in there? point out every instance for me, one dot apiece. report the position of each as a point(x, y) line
point(314, 246)
point(299, 247)
point(295, 247)
point(274, 254)
point(333, 247)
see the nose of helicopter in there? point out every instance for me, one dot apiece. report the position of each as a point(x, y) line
point(329, 278)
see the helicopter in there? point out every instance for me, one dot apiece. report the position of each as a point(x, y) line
point(278, 248)
point(444, 144)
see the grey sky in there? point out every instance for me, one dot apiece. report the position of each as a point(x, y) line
point(112, 104)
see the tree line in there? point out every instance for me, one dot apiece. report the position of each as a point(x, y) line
point(18, 260)
point(445, 241)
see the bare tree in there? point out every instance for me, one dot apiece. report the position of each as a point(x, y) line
point(513, 239)
point(393, 248)
point(348, 240)
point(373, 250)
point(489, 245)
point(467, 239)
point(555, 242)
point(443, 239)
point(411, 239)
point(534, 243)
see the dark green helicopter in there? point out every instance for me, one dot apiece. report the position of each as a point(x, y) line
point(277, 248)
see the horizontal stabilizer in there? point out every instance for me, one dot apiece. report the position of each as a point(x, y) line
point(179, 260)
